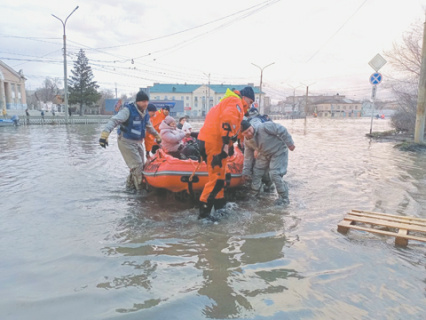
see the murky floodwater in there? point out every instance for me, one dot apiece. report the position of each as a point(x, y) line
point(76, 245)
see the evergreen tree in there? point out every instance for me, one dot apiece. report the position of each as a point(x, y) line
point(82, 88)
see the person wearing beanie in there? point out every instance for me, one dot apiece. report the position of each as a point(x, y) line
point(271, 141)
point(216, 142)
point(141, 96)
point(156, 120)
point(133, 121)
point(149, 138)
point(172, 137)
point(152, 108)
point(247, 92)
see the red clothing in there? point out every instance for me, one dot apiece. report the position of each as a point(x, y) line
point(156, 121)
point(229, 111)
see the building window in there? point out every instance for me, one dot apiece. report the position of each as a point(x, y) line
point(187, 98)
point(165, 97)
point(12, 88)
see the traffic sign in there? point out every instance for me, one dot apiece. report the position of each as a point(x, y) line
point(376, 78)
point(377, 62)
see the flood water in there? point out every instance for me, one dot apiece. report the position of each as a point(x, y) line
point(76, 245)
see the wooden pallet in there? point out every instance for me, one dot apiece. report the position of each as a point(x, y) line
point(401, 227)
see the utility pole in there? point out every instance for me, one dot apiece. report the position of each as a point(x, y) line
point(419, 131)
point(260, 87)
point(65, 64)
point(294, 97)
point(306, 101)
point(208, 92)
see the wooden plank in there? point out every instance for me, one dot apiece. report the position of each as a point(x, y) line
point(390, 215)
point(403, 242)
point(343, 226)
point(390, 218)
point(387, 233)
point(385, 223)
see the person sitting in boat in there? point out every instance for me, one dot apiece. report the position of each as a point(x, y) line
point(182, 121)
point(172, 137)
point(187, 128)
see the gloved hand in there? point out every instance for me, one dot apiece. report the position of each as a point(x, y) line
point(217, 159)
point(226, 139)
point(103, 141)
point(246, 178)
point(158, 139)
point(231, 151)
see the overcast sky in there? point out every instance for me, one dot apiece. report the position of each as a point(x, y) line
point(325, 44)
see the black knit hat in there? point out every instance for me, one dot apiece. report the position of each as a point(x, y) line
point(245, 125)
point(152, 107)
point(142, 96)
point(247, 92)
point(166, 108)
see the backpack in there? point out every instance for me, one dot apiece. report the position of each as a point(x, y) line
point(190, 151)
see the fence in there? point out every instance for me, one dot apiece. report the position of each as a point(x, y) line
point(60, 120)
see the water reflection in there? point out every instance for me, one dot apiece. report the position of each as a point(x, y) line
point(201, 260)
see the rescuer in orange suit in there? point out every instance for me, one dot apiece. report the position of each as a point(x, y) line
point(156, 120)
point(216, 142)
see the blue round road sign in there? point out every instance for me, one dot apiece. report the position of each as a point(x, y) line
point(376, 78)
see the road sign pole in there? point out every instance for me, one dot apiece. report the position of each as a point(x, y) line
point(376, 63)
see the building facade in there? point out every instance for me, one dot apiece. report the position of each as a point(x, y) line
point(197, 99)
point(12, 89)
point(336, 106)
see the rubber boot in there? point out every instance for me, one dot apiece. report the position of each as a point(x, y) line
point(130, 185)
point(137, 180)
point(269, 188)
point(219, 203)
point(282, 199)
point(205, 209)
point(220, 207)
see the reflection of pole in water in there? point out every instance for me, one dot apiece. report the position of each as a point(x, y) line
point(373, 98)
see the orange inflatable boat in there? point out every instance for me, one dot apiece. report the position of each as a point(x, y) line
point(176, 175)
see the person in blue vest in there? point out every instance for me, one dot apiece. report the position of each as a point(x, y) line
point(133, 120)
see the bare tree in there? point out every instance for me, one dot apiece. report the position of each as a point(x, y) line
point(405, 59)
point(48, 91)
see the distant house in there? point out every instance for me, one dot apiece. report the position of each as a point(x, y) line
point(337, 106)
point(12, 88)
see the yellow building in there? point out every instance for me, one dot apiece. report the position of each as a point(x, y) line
point(12, 89)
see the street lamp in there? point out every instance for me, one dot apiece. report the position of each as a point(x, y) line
point(65, 63)
point(261, 76)
point(294, 96)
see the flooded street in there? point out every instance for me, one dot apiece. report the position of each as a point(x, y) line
point(76, 245)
